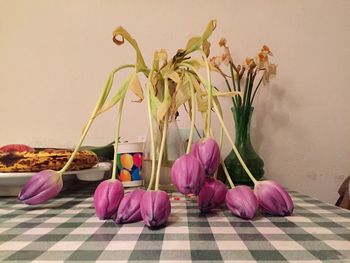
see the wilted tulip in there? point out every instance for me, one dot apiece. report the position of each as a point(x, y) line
point(129, 208)
point(155, 208)
point(273, 199)
point(242, 202)
point(207, 151)
point(212, 195)
point(187, 174)
point(41, 187)
point(107, 197)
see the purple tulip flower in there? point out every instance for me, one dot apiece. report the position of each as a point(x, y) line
point(41, 187)
point(207, 151)
point(155, 208)
point(187, 174)
point(129, 208)
point(242, 202)
point(107, 197)
point(212, 195)
point(273, 199)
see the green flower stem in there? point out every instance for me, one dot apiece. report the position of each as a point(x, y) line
point(255, 91)
point(116, 140)
point(221, 160)
point(165, 127)
point(193, 120)
point(153, 155)
point(227, 174)
point(233, 145)
point(210, 91)
point(236, 101)
point(98, 106)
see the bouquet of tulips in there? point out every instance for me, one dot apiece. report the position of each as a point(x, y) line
point(171, 83)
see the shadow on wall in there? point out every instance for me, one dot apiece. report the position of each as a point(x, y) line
point(271, 109)
point(277, 126)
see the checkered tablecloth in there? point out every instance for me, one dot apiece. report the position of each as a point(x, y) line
point(66, 230)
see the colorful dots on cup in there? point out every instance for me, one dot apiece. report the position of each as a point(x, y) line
point(126, 161)
point(124, 176)
point(136, 174)
point(137, 158)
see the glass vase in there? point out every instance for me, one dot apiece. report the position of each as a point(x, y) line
point(242, 117)
point(174, 148)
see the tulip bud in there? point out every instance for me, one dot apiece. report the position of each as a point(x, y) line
point(129, 208)
point(273, 199)
point(242, 202)
point(212, 195)
point(155, 208)
point(207, 151)
point(187, 174)
point(41, 187)
point(107, 197)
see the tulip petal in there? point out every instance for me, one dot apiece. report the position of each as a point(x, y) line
point(155, 208)
point(273, 199)
point(207, 151)
point(242, 202)
point(187, 174)
point(107, 197)
point(42, 187)
point(212, 195)
point(129, 208)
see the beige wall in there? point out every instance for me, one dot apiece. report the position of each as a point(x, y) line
point(55, 56)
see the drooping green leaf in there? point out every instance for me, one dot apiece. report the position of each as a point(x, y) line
point(135, 86)
point(116, 98)
point(202, 103)
point(216, 101)
point(194, 63)
point(209, 30)
point(226, 94)
point(206, 47)
point(106, 91)
point(165, 104)
point(140, 63)
point(182, 93)
point(155, 103)
point(193, 44)
point(196, 43)
point(161, 55)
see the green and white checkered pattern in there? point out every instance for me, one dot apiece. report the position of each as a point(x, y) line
point(66, 230)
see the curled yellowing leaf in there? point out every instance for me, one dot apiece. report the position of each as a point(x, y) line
point(121, 32)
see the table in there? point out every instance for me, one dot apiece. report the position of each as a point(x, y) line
point(66, 230)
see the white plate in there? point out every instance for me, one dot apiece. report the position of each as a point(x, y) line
point(11, 183)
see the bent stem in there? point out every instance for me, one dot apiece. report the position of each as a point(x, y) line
point(193, 121)
point(227, 174)
point(165, 127)
point(153, 156)
point(233, 145)
point(116, 140)
point(98, 106)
